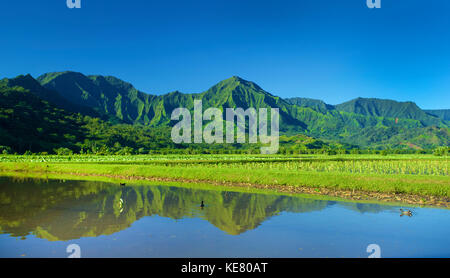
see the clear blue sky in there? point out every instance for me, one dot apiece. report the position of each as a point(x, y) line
point(333, 50)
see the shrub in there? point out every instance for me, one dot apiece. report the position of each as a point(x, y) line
point(63, 151)
point(6, 150)
point(441, 151)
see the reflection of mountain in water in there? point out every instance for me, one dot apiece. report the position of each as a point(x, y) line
point(57, 210)
point(368, 208)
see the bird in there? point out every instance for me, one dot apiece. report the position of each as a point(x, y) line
point(122, 184)
point(405, 212)
point(202, 205)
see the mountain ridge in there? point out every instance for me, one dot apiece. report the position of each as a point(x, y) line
point(363, 121)
point(387, 108)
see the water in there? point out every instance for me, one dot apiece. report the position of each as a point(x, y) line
point(40, 218)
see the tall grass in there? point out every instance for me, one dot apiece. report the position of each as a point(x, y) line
point(415, 174)
point(358, 164)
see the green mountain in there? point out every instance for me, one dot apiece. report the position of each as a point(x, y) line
point(443, 114)
point(389, 108)
point(30, 123)
point(28, 83)
point(113, 96)
point(361, 122)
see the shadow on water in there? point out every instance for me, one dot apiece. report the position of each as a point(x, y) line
point(65, 210)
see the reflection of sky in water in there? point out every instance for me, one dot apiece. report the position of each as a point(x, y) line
point(231, 225)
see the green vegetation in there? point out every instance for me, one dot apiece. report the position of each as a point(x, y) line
point(28, 123)
point(101, 126)
point(388, 108)
point(31, 125)
point(105, 115)
point(421, 175)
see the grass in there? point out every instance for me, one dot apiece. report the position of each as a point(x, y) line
point(420, 175)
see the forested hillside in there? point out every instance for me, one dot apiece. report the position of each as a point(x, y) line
point(92, 113)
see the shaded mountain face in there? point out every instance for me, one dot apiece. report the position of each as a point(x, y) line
point(84, 91)
point(29, 123)
point(443, 114)
point(28, 83)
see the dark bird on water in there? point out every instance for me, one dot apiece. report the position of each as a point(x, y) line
point(405, 212)
point(122, 184)
point(202, 205)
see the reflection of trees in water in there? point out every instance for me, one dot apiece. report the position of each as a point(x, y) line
point(72, 209)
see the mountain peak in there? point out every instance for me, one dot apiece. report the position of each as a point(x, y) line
point(237, 81)
point(237, 78)
point(49, 77)
point(234, 80)
point(25, 81)
point(109, 80)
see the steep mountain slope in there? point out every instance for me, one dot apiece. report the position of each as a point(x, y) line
point(29, 123)
point(237, 92)
point(28, 83)
point(109, 95)
point(82, 91)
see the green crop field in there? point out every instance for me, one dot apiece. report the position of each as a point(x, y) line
point(415, 175)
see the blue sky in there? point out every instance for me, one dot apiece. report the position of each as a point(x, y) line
point(334, 50)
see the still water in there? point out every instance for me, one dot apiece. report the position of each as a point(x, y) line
point(41, 218)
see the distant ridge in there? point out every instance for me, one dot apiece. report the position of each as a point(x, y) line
point(316, 104)
point(443, 114)
point(388, 108)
